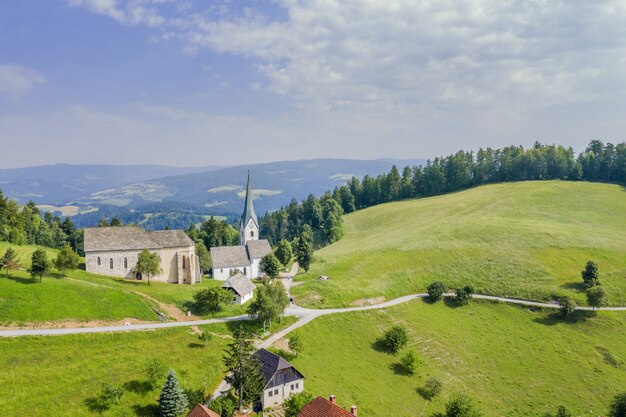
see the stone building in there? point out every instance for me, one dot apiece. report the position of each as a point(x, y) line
point(114, 251)
point(245, 258)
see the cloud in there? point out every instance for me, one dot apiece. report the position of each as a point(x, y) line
point(16, 80)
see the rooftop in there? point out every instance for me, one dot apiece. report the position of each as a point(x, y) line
point(240, 284)
point(229, 256)
point(275, 369)
point(321, 407)
point(99, 239)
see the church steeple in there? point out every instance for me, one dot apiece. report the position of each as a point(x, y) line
point(249, 227)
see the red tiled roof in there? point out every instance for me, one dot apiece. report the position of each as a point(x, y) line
point(201, 411)
point(321, 407)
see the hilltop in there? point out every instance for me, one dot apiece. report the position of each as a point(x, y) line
point(526, 240)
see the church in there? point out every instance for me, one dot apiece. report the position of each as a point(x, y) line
point(245, 258)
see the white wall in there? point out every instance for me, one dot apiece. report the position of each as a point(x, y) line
point(250, 232)
point(284, 392)
point(223, 274)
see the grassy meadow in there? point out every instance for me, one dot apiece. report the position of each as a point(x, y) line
point(527, 240)
point(512, 361)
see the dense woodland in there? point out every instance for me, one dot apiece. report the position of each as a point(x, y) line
point(599, 162)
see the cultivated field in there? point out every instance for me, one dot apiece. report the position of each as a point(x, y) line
point(527, 240)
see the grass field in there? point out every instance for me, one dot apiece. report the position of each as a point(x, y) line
point(514, 362)
point(528, 240)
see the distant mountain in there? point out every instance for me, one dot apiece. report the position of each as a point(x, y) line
point(58, 184)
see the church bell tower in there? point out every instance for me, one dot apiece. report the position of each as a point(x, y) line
point(249, 226)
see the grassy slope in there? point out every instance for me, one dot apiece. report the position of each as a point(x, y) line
point(527, 239)
point(513, 361)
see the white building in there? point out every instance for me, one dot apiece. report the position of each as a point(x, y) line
point(114, 251)
point(245, 258)
point(282, 380)
point(241, 287)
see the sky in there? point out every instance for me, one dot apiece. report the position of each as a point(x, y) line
point(200, 82)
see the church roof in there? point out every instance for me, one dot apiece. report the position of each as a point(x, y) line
point(276, 370)
point(98, 239)
point(248, 208)
point(240, 284)
point(258, 248)
point(229, 256)
point(171, 238)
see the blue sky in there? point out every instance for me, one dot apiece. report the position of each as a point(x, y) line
point(183, 82)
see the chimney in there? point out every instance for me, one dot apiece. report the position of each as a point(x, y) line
point(333, 399)
point(353, 410)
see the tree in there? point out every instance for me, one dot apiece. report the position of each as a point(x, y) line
point(148, 263)
point(432, 387)
point(304, 248)
point(244, 370)
point(115, 222)
point(67, 259)
point(223, 406)
point(9, 261)
point(296, 344)
point(596, 296)
point(568, 307)
point(155, 370)
point(461, 405)
point(269, 304)
point(211, 300)
point(410, 362)
point(436, 290)
point(205, 337)
point(463, 295)
point(295, 403)
point(591, 275)
point(110, 394)
point(284, 252)
point(172, 401)
point(204, 257)
point(618, 406)
point(395, 339)
point(270, 265)
point(40, 265)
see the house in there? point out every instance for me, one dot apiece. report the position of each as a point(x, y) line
point(245, 258)
point(202, 411)
point(242, 288)
point(114, 251)
point(281, 378)
point(321, 407)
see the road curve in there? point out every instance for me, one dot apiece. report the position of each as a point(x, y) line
point(305, 315)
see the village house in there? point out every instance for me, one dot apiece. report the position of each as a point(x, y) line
point(321, 407)
point(241, 287)
point(281, 379)
point(114, 251)
point(245, 258)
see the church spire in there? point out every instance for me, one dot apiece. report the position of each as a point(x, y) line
point(248, 209)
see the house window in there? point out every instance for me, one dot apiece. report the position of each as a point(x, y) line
point(111, 263)
point(271, 394)
point(125, 263)
point(99, 261)
point(297, 385)
point(292, 387)
point(183, 262)
point(275, 392)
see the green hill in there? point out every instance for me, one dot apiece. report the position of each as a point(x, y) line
point(527, 240)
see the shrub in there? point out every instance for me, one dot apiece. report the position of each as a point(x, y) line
point(211, 300)
point(224, 406)
point(205, 337)
point(463, 295)
point(155, 371)
point(395, 339)
point(432, 387)
point(296, 344)
point(110, 394)
point(410, 362)
point(568, 307)
point(618, 406)
point(461, 405)
point(436, 290)
point(295, 403)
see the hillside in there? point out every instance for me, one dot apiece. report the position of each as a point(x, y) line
point(527, 240)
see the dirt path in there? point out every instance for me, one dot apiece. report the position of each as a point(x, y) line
point(171, 310)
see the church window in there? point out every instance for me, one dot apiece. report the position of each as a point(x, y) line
point(111, 263)
point(183, 262)
point(251, 233)
point(125, 263)
point(99, 261)
point(245, 270)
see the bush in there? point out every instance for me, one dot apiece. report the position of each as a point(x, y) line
point(561, 411)
point(568, 307)
point(395, 339)
point(205, 337)
point(296, 344)
point(155, 371)
point(295, 403)
point(618, 406)
point(110, 394)
point(211, 300)
point(410, 362)
point(463, 295)
point(224, 406)
point(461, 405)
point(433, 387)
point(436, 290)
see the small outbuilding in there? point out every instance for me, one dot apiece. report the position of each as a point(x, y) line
point(282, 379)
point(242, 288)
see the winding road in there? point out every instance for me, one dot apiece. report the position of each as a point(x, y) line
point(305, 315)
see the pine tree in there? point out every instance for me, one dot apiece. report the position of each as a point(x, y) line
point(172, 401)
point(9, 260)
point(244, 370)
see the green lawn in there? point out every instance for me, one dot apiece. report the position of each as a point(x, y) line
point(528, 240)
point(514, 362)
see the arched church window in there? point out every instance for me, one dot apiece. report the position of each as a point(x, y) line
point(99, 261)
point(251, 233)
point(111, 263)
point(125, 263)
point(183, 262)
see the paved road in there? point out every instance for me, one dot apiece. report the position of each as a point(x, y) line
point(305, 315)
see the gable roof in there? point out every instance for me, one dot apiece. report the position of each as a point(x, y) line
point(258, 248)
point(240, 284)
point(229, 256)
point(248, 208)
point(201, 411)
point(133, 238)
point(117, 238)
point(275, 369)
point(321, 407)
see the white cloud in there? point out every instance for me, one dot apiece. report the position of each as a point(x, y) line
point(16, 80)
